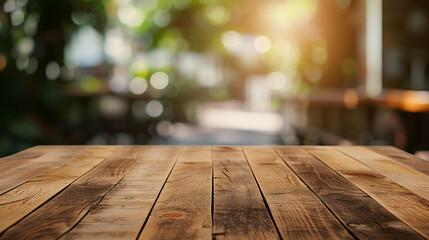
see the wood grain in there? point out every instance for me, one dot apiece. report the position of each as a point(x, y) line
point(65, 210)
point(183, 210)
point(213, 192)
point(121, 214)
point(364, 217)
point(408, 177)
point(298, 213)
point(19, 158)
point(400, 201)
point(403, 157)
point(20, 201)
point(21, 167)
point(34, 154)
point(239, 211)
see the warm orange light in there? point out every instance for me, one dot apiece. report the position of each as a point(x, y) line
point(351, 98)
point(284, 15)
point(3, 62)
point(411, 101)
point(414, 101)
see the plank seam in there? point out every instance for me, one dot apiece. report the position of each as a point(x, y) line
point(73, 158)
point(262, 195)
point(377, 171)
point(13, 188)
point(55, 195)
point(299, 177)
point(95, 205)
point(372, 168)
point(37, 208)
point(400, 219)
point(409, 160)
point(159, 194)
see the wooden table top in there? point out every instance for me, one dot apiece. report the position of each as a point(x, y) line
point(213, 192)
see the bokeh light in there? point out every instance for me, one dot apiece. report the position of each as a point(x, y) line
point(262, 44)
point(130, 15)
point(52, 70)
point(116, 47)
point(162, 18)
point(154, 108)
point(138, 85)
point(25, 46)
point(17, 17)
point(118, 84)
point(232, 40)
point(90, 84)
point(30, 24)
point(113, 107)
point(351, 98)
point(279, 81)
point(159, 80)
point(164, 128)
point(9, 6)
point(217, 14)
point(282, 16)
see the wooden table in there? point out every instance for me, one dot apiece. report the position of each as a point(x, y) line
point(205, 192)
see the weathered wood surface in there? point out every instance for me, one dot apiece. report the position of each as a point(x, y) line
point(402, 202)
point(31, 163)
point(361, 214)
point(294, 207)
point(183, 209)
point(123, 211)
point(23, 199)
point(213, 192)
point(398, 172)
point(403, 157)
point(65, 210)
point(236, 196)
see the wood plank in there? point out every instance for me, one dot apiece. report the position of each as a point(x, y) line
point(298, 213)
point(19, 158)
point(183, 209)
point(362, 215)
point(239, 211)
point(38, 161)
point(37, 154)
point(400, 201)
point(121, 214)
point(408, 177)
point(63, 212)
point(20, 201)
point(402, 157)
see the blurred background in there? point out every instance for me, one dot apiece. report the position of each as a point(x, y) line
point(321, 72)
